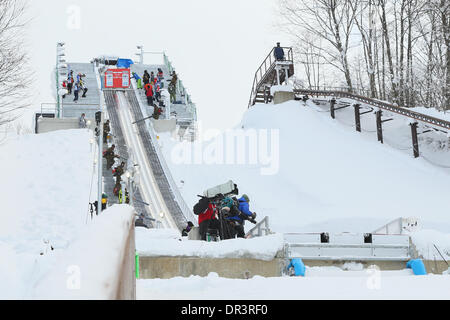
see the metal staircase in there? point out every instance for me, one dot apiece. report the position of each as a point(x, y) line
point(266, 75)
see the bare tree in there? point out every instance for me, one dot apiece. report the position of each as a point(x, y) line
point(12, 60)
point(398, 49)
point(329, 20)
point(364, 19)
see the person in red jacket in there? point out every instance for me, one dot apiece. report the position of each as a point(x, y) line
point(149, 93)
point(208, 219)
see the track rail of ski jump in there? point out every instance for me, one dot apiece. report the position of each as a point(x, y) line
point(148, 186)
point(134, 138)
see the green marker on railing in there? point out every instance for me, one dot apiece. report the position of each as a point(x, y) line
point(137, 265)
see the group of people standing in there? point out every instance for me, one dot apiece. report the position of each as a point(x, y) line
point(76, 86)
point(110, 156)
point(152, 84)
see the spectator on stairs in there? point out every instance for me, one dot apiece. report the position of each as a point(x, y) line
point(80, 76)
point(160, 74)
point(152, 77)
point(83, 88)
point(116, 189)
point(76, 89)
point(82, 123)
point(64, 85)
point(146, 78)
point(173, 93)
point(106, 130)
point(119, 171)
point(158, 91)
point(109, 155)
point(138, 80)
point(149, 93)
point(278, 52)
point(174, 79)
point(70, 82)
point(122, 199)
point(173, 87)
point(157, 112)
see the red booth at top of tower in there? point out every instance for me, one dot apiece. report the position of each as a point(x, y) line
point(120, 77)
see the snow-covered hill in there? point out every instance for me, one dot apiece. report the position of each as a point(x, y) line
point(327, 177)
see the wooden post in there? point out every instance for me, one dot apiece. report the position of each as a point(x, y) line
point(332, 103)
point(357, 117)
point(379, 113)
point(415, 140)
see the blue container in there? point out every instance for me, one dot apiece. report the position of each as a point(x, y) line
point(299, 267)
point(417, 267)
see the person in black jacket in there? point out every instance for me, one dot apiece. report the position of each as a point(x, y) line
point(146, 77)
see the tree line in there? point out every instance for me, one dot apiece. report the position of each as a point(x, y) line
point(393, 50)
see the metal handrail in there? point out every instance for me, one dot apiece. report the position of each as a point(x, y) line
point(385, 229)
point(181, 89)
point(267, 65)
point(257, 230)
point(379, 104)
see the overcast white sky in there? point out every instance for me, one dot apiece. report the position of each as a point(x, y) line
point(215, 46)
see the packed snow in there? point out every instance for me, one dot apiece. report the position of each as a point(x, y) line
point(318, 283)
point(281, 88)
point(169, 243)
point(44, 194)
point(89, 268)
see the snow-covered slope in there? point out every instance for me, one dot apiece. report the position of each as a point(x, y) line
point(44, 198)
point(329, 177)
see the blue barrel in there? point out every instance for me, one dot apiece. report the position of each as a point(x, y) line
point(299, 267)
point(417, 267)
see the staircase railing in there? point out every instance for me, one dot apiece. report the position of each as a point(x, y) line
point(260, 229)
point(266, 67)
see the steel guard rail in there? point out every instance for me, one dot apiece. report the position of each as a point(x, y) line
point(376, 103)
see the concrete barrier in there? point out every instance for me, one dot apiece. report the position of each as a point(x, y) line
point(164, 125)
point(170, 267)
point(45, 125)
point(126, 289)
point(282, 96)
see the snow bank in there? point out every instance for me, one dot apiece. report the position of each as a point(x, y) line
point(170, 244)
point(44, 198)
point(281, 88)
point(425, 240)
point(324, 285)
point(90, 267)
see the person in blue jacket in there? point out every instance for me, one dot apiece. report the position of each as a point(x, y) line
point(138, 80)
point(278, 52)
point(239, 220)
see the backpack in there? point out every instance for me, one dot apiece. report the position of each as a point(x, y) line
point(201, 206)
